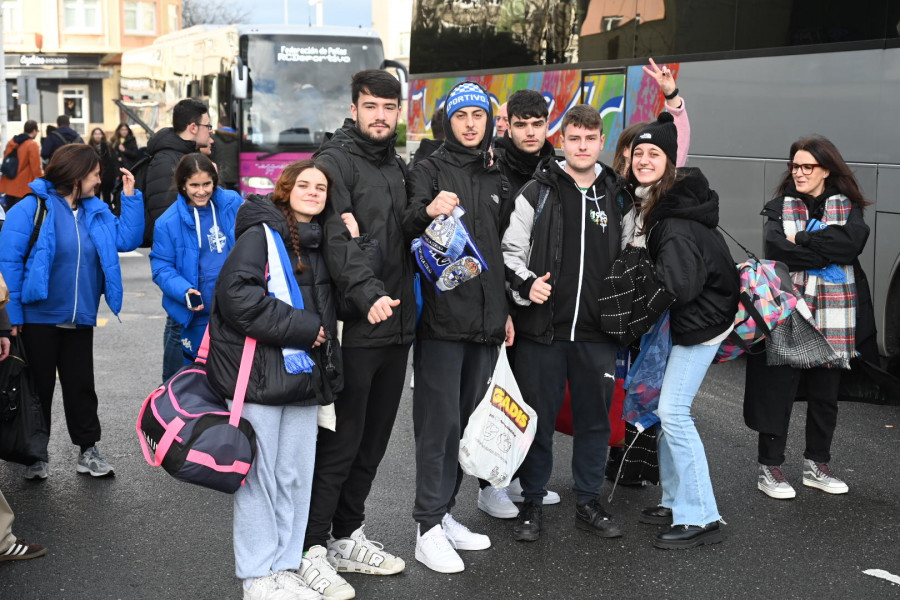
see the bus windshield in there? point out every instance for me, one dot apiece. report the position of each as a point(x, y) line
point(300, 88)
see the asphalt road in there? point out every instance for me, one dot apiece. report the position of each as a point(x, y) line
point(143, 535)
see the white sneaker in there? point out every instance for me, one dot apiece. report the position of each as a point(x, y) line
point(358, 554)
point(772, 482)
point(461, 537)
point(321, 576)
point(818, 475)
point(266, 588)
point(514, 491)
point(292, 583)
point(37, 470)
point(435, 552)
point(496, 503)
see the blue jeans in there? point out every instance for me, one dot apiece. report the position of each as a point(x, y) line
point(683, 470)
point(172, 353)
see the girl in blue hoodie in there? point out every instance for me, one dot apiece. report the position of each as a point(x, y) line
point(55, 279)
point(190, 243)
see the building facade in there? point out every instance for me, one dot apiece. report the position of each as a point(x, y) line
point(65, 55)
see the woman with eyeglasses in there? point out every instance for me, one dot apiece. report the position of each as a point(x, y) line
point(815, 222)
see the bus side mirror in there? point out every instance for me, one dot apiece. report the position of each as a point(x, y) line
point(240, 80)
point(402, 75)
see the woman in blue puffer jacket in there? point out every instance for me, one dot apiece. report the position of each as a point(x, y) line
point(55, 282)
point(190, 243)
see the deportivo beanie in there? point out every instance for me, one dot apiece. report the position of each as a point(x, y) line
point(661, 133)
point(464, 95)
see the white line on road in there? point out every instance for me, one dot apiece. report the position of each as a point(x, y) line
point(129, 254)
point(883, 575)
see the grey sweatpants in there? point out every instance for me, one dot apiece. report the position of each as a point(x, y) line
point(451, 377)
point(272, 507)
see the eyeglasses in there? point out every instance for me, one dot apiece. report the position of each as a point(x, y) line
point(805, 169)
point(207, 125)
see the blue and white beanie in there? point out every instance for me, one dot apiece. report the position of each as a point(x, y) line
point(465, 95)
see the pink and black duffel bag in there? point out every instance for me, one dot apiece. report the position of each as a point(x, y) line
point(185, 426)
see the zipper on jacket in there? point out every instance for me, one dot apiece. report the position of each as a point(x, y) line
point(580, 264)
point(77, 264)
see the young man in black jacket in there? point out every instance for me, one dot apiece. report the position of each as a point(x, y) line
point(525, 143)
point(190, 130)
point(460, 330)
point(563, 235)
point(369, 185)
point(517, 155)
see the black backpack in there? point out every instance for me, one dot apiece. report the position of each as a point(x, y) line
point(9, 168)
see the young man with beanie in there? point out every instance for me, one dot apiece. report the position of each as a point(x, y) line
point(29, 154)
point(461, 329)
point(517, 154)
point(563, 235)
point(369, 184)
point(190, 130)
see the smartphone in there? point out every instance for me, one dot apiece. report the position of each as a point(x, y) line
point(193, 300)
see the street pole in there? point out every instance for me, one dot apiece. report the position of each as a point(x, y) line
point(319, 14)
point(4, 111)
point(285, 12)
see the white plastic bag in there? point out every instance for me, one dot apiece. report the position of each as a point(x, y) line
point(500, 431)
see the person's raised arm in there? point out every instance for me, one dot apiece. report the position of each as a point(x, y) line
point(675, 105)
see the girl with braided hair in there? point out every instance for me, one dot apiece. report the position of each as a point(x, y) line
point(275, 288)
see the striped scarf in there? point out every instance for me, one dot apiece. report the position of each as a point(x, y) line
point(833, 305)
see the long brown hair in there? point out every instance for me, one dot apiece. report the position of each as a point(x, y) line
point(656, 192)
point(68, 166)
point(281, 197)
point(840, 176)
point(625, 138)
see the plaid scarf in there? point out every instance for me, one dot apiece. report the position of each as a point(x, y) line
point(833, 305)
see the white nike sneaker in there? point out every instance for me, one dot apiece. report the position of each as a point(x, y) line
point(321, 576)
point(514, 491)
point(433, 550)
point(461, 537)
point(358, 554)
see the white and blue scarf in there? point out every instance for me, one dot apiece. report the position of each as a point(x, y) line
point(283, 285)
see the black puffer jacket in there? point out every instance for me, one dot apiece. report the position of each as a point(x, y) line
point(557, 232)
point(369, 181)
point(693, 260)
point(476, 310)
point(166, 148)
point(243, 307)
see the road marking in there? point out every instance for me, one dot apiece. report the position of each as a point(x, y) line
point(102, 322)
point(883, 575)
point(130, 254)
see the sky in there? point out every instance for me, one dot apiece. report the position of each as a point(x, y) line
point(348, 13)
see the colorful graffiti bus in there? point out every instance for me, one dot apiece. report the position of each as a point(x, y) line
point(281, 87)
point(755, 76)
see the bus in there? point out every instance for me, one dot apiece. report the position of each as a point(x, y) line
point(281, 87)
point(755, 76)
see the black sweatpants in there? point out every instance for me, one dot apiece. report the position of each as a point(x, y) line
point(821, 387)
point(70, 352)
point(541, 372)
point(451, 377)
point(347, 459)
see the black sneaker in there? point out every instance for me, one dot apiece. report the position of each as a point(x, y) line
point(591, 517)
point(528, 527)
point(656, 515)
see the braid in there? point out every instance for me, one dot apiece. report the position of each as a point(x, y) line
point(295, 234)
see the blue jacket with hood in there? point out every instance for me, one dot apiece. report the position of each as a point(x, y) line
point(175, 258)
point(43, 288)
